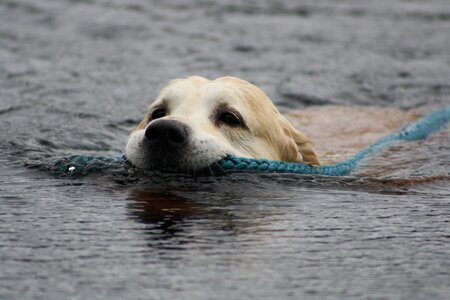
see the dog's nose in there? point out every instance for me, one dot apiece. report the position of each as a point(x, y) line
point(167, 132)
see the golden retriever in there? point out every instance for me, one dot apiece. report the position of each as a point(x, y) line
point(195, 122)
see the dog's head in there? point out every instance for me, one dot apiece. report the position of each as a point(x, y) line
point(195, 122)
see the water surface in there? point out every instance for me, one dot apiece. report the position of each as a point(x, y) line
point(76, 76)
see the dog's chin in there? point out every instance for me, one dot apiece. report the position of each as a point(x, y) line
point(175, 160)
point(177, 163)
point(189, 162)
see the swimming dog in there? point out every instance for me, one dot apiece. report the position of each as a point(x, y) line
point(195, 122)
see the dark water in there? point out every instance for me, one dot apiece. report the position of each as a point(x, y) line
point(76, 76)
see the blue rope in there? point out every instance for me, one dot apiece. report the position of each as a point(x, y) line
point(420, 129)
point(86, 164)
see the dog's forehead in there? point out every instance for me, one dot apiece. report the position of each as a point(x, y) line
point(238, 94)
point(218, 93)
point(194, 96)
point(205, 95)
point(178, 92)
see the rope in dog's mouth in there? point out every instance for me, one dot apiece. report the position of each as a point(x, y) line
point(418, 130)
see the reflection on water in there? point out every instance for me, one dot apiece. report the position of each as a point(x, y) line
point(163, 212)
point(266, 236)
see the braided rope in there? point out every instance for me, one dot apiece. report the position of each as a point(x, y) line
point(417, 130)
point(420, 129)
point(86, 164)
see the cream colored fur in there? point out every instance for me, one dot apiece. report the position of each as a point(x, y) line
point(194, 100)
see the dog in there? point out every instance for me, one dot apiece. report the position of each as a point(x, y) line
point(195, 122)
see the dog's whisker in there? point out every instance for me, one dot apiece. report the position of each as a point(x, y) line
point(220, 167)
point(210, 170)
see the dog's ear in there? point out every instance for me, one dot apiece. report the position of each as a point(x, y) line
point(297, 147)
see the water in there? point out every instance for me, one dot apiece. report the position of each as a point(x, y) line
point(76, 76)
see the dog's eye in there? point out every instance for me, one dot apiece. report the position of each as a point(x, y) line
point(229, 119)
point(158, 113)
